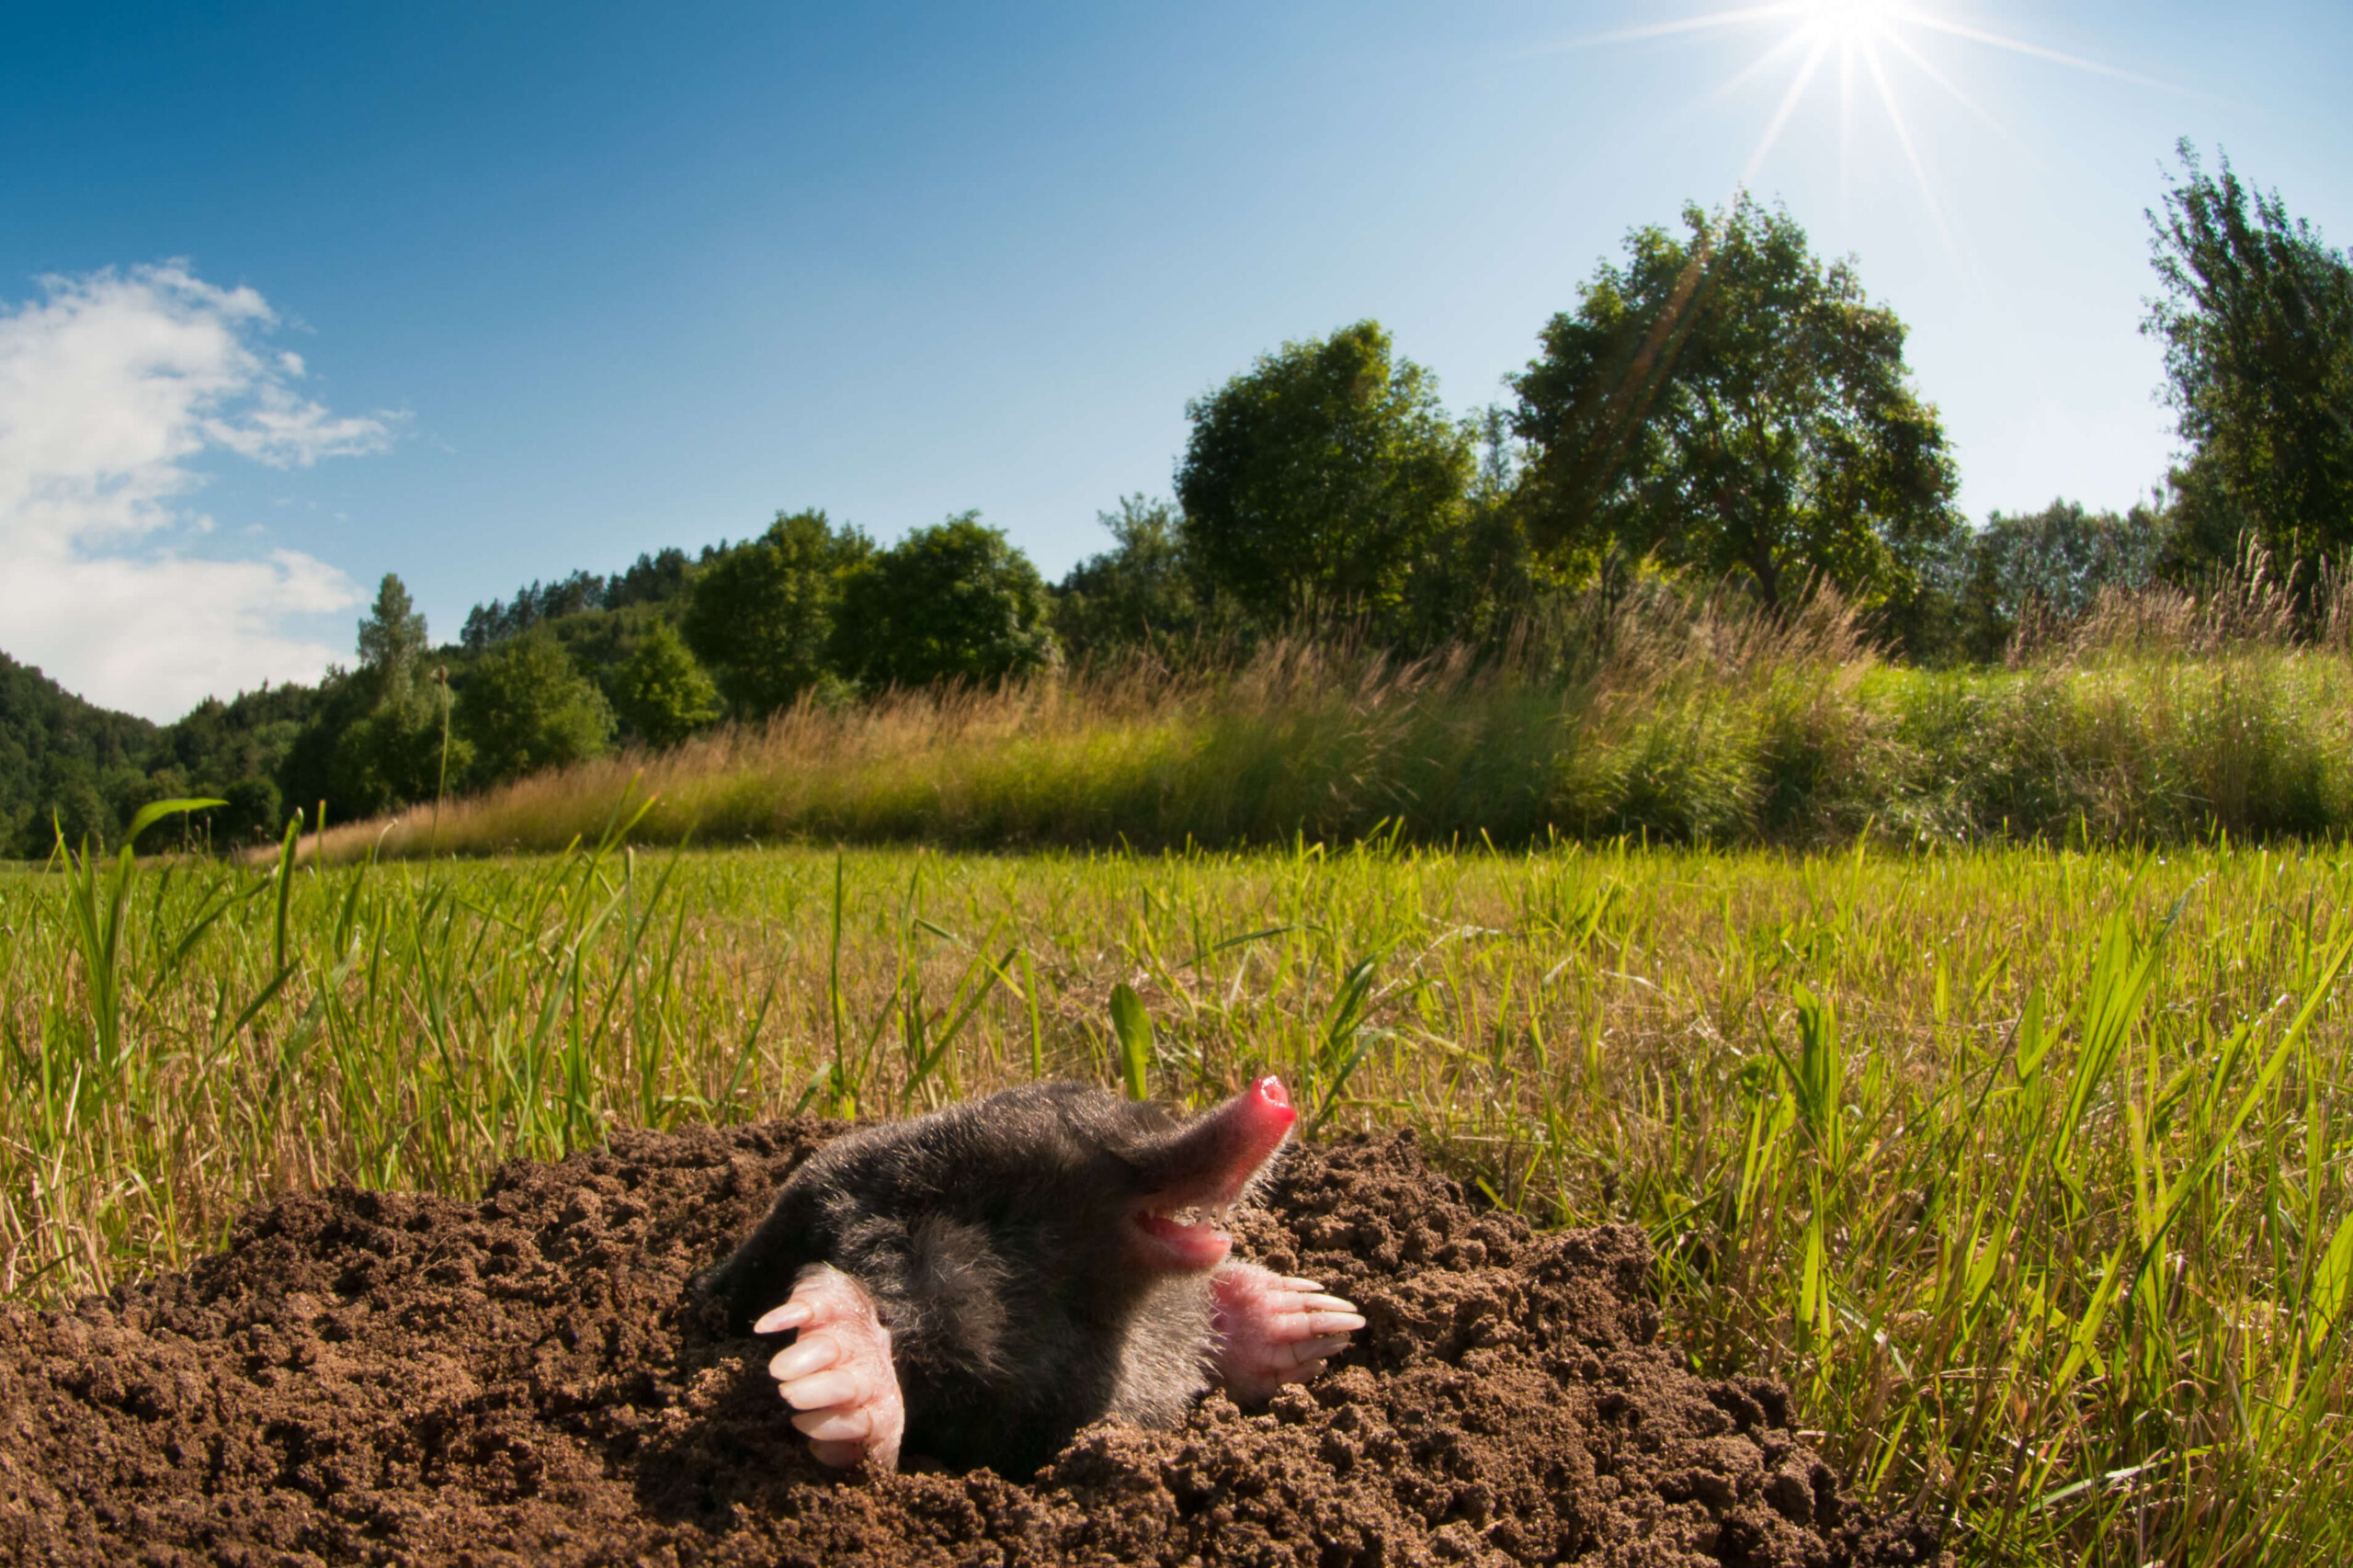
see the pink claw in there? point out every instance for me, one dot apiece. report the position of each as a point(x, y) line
point(836, 1373)
point(1273, 1331)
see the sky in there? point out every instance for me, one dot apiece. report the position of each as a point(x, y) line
point(292, 297)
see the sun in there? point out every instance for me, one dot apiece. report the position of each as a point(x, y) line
point(1873, 50)
point(1845, 23)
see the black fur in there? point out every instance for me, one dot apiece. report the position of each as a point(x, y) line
point(994, 1239)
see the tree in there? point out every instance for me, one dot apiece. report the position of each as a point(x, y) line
point(1725, 403)
point(52, 745)
point(1139, 592)
point(391, 755)
point(393, 633)
point(2257, 319)
point(373, 743)
point(1321, 477)
point(2060, 559)
point(525, 708)
point(662, 693)
point(655, 579)
point(1485, 577)
point(253, 812)
point(79, 814)
point(762, 614)
point(950, 602)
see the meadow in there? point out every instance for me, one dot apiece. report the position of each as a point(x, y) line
point(2025, 1167)
point(2163, 717)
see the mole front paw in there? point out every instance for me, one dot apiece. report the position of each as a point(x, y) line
point(836, 1373)
point(1273, 1331)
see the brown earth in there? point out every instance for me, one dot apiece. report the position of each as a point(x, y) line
point(371, 1377)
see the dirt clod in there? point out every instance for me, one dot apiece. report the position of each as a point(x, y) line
point(370, 1377)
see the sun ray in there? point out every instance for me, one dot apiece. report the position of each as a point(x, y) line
point(1952, 89)
point(1807, 30)
point(2019, 46)
point(1744, 15)
point(1788, 107)
point(1846, 129)
point(1919, 170)
point(1788, 47)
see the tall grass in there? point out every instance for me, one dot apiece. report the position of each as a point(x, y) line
point(2165, 718)
point(2027, 1168)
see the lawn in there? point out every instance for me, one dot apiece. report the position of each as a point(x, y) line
point(2026, 1168)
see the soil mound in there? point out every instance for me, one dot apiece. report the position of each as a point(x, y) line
point(371, 1377)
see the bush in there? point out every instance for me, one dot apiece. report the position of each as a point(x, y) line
point(762, 615)
point(662, 693)
point(950, 602)
point(1139, 593)
point(525, 708)
point(255, 812)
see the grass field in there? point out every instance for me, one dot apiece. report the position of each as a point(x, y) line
point(2027, 1168)
point(2163, 720)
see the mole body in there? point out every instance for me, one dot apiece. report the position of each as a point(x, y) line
point(980, 1282)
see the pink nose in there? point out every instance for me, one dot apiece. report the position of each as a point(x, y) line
point(1264, 1110)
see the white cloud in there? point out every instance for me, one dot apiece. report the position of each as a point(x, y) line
point(110, 386)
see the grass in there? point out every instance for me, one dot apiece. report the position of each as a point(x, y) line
point(2026, 1167)
point(1668, 720)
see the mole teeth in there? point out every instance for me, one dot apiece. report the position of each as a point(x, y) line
point(1194, 1216)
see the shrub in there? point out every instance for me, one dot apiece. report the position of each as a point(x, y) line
point(662, 693)
point(525, 708)
point(955, 601)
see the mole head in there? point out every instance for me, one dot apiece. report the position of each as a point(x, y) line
point(1187, 1180)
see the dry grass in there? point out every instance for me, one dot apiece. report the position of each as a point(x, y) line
point(2163, 718)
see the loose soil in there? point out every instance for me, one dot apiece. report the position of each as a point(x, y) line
point(364, 1377)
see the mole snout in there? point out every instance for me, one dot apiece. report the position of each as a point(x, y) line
point(1183, 1202)
point(979, 1283)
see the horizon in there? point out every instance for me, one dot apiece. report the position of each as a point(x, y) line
point(485, 300)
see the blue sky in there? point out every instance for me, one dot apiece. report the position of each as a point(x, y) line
point(565, 282)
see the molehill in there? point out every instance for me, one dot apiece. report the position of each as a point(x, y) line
point(364, 1377)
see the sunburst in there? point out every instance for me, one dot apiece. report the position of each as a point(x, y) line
point(1854, 44)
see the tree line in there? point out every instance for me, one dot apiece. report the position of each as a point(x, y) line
point(1721, 405)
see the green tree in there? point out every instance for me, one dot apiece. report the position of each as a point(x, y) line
point(762, 614)
point(950, 602)
point(389, 756)
point(2256, 317)
point(1485, 577)
point(79, 812)
point(525, 708)
point(253, 813)
point(391, 634)
point(1321, 477)
point(373, 745)
point(1139, 592)
point(1724, 402)
point(662, 693)
point(44, 730)
point(2058, 561)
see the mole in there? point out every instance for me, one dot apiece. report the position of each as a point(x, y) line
point(976, 1284)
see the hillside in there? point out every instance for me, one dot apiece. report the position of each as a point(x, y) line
point(67, 763)
point(56, 748)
